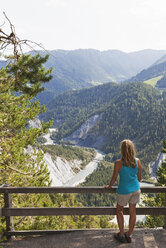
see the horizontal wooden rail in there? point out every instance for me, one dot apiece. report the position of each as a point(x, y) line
point(8, 211)
point(40, 232)
point(78, 211)
point(86, 190)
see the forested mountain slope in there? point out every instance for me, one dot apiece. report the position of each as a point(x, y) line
point(153, 71)
point(156, 73)
point(79, 105)
point(135, 111)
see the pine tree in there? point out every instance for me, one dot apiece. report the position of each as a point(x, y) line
point(161, 173)
point(20, 81)
point(159, 199)
point(17, 108)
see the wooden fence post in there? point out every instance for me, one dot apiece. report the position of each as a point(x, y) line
point(9, 219)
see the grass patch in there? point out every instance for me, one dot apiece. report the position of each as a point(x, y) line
point(153, 81)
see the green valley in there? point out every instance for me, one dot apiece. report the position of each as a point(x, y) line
point(135, 111)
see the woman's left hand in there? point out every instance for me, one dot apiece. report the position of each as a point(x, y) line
point(108, 187)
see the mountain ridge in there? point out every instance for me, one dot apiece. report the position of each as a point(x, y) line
point(83, 68)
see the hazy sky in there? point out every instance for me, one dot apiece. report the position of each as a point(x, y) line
point(127, 25)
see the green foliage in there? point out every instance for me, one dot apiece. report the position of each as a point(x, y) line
point(73, 108)
point(154, 71)
point(19, 82)
point(41, 140)
point(157, 200)
point(161, 173)
point(71, 153)
point(153, 81)
point(100, 177)
point(135, 111)
point(28, 74)
point(15, 113)
point(54, 222)
point(21, 167)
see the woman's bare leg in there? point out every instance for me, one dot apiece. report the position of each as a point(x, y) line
point(120, 219)
point(132, 220)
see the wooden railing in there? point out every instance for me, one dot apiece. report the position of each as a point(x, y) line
point(8, 211)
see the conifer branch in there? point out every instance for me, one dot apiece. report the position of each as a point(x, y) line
point(20, 172)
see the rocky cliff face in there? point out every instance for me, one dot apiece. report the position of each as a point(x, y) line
point(60, 169)
point(81, 137)
point(153, 166)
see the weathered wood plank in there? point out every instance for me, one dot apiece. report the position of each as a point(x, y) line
point(41, 232)
point(79, 211)
point(36, 190)
point(85, 190)
point(9, 218)
point(155, 189)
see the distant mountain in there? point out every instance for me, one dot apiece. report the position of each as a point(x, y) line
point(89, 66)
point(82, 68)
point(161, 60)
point(153, 71)
point(161, 84)
point(135, 111)
point(154, 75)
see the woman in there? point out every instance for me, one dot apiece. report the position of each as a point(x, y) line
point(128, 191)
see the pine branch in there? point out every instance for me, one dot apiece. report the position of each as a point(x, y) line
point(18, 171)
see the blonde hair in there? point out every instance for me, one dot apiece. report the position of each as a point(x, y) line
point(127, 153)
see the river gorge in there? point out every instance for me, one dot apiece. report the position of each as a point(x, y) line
point(62, 174)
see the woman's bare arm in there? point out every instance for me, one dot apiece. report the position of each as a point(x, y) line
point(115, 174)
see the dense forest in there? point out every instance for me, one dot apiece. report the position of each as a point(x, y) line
point(73, 108)
point(135, 110)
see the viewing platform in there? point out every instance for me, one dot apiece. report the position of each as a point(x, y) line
point(93, 238)
point(84, 238)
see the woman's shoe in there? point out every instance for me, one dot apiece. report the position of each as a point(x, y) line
point(128, 238)
point(120, 237)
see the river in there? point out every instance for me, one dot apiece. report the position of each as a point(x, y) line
point(81, 177)
point(78, 178)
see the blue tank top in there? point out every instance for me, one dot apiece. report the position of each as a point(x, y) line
point(128, 181)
